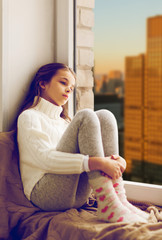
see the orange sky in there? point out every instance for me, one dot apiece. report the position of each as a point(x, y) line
point(119, 31)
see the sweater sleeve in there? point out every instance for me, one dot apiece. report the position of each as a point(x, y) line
point(36, 149)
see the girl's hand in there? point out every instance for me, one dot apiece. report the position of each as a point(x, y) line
point(120, 160)
point(113, 169)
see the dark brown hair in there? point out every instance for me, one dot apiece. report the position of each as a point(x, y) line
point(45, 74)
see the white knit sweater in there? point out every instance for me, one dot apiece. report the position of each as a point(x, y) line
point(39, 130)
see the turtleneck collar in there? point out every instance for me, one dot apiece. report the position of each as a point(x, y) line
point(48, 108)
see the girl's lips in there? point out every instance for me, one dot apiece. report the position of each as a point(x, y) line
point(66, 96)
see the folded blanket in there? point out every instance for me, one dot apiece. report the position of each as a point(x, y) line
point(19, 219)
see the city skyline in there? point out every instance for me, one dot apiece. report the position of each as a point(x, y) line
point(115, 36)
point(142, 107)
point(139, 110)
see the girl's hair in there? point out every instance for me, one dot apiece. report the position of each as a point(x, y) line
point(45, 74)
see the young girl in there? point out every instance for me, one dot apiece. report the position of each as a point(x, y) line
point(60, 160)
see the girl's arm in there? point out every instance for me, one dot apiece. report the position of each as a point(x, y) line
point(37, 151)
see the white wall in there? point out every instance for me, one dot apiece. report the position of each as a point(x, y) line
point(27, 41)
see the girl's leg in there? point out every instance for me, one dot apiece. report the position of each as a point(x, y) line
point(83, 135)
point(109, 133)
point(88, 141)
point(60, 192)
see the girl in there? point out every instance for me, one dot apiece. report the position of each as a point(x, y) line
point(60, 160)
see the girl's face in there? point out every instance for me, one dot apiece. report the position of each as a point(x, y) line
point(59, 89)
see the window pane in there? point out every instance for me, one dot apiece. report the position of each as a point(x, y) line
point(128, 80)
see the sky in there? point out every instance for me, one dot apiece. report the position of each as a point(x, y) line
point(120, 30)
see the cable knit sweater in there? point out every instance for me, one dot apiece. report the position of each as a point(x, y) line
point(39, 130)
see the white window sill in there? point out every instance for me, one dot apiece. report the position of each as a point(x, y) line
point(143, 192)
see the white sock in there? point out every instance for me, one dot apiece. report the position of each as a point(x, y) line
point(110, 208)
point(118, 185)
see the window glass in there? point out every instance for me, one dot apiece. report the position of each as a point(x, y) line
point(128, 80)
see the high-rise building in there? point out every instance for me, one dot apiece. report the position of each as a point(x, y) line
point(143, 107)
point(133, 112)
point(134, 81)
point(153, 98)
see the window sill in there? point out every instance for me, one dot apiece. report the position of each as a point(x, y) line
point(143, 192)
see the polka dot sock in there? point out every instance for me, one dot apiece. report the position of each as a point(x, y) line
point(120, 191)
point(110, 208)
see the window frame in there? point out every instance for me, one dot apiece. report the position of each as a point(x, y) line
point(65, 42)
point(144, 192)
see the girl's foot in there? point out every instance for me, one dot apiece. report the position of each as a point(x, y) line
point(118, 185)
point(110, 208)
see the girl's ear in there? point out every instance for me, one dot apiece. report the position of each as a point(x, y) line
point(42, 84)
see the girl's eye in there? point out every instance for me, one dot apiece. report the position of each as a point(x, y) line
point(64, 83)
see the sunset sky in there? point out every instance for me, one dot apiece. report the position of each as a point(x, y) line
point(120, 30)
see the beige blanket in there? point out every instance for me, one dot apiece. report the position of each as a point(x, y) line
point(19, 219)
point(83, 224)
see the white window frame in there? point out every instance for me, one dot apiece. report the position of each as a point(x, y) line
point(144, 192)
point(65, 39)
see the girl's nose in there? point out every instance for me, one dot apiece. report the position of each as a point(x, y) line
point(67, 89)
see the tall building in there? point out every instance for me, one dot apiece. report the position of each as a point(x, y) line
point(153, 98)
point(133, 112)
point(143, 107)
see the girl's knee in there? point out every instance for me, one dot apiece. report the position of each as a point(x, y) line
point(106, 115)
point(88, 115)
point(85, 111)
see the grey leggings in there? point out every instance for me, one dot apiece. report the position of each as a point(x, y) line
point(89, 133)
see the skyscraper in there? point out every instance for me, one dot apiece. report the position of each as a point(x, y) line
point(133, 112)
point(143, 107)
point(153, 98)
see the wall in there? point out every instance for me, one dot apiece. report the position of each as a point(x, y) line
point(85, 55)
point(28, 40)
point(26, 43)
